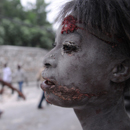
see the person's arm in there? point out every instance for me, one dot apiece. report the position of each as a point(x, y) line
point(10, 86)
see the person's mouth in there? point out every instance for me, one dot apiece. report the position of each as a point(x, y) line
point(47, 85)
point(64, 92)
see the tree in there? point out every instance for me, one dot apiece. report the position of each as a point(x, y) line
point(25, 27)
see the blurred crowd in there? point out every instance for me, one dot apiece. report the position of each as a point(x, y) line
point(20, 77)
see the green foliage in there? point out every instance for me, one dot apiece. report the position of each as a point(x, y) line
point(25, 27)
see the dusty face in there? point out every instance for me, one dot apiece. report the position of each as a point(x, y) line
point(77, 70)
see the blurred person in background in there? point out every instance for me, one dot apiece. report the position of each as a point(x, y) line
point(7, 76)
point(11, 87)
point(40, 79)
point(20, 77)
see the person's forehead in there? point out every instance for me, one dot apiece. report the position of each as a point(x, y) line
point(76, 35)
point(70, 24)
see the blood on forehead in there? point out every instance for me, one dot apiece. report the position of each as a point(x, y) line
point(69, 24)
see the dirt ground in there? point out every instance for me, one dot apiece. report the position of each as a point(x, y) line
point(24, 115)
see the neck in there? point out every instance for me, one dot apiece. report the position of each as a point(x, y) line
point(109, 116)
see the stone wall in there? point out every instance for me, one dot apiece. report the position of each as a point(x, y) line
point(30, 59)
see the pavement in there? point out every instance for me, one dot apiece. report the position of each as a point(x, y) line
point(22, 114)
point(19, 114)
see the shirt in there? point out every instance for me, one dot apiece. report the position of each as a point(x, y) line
point(20, 75)
point(7, 75)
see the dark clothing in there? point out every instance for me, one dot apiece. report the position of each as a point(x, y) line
point(42, 98)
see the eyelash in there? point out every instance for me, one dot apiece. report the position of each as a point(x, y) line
point(68, 48)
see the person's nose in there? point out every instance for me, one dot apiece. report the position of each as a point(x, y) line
point(49, 60)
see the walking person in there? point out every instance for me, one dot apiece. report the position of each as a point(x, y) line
point(40, 79)
point(7, 75)
point(20, 77)
point(11, 87)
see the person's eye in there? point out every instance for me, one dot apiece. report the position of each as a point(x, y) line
point(68, 47)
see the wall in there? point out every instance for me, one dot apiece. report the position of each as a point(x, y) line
point(30, 59)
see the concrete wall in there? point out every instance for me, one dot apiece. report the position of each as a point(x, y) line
point(30, 58)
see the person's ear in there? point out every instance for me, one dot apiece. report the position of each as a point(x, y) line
point(121, 72)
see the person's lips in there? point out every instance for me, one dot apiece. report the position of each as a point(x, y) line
point(47, 84)
point(65, 92)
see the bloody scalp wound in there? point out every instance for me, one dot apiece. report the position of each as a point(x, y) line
point(69, 24)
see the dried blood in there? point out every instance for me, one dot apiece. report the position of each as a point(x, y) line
point(69, 24)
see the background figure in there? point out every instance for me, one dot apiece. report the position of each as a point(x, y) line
point(20, 77)
point(39, 78)
point(41, 100)
point(7, 75)
point(11, 87)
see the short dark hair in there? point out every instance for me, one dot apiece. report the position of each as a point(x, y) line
point(105, 19)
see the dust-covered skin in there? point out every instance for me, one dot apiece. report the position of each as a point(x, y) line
point(70, 94)
point(87, 69)
point(82, 73)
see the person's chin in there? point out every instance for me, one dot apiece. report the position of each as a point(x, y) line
point(56, 100)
